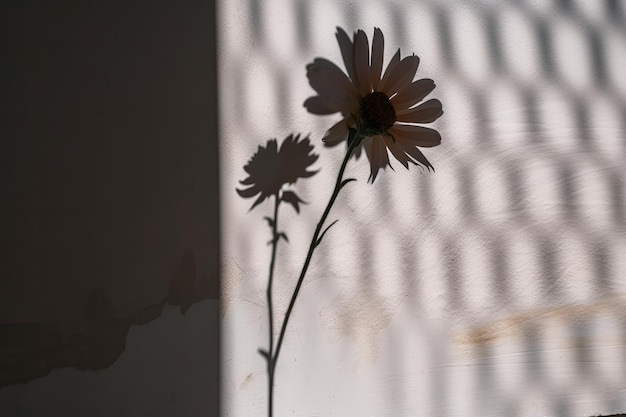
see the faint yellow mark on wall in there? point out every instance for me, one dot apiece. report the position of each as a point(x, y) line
point(361, 317)
point(246, 381)
point(497, 330)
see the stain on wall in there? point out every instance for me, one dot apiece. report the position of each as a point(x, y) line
point(498, 330)
point(362, 316)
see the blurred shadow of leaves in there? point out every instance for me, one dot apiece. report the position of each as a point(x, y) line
point(270, 168)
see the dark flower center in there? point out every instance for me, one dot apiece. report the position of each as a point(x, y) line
point(377, 111)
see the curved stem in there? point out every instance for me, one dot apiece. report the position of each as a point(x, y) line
point(354, 141)
point(270, 308)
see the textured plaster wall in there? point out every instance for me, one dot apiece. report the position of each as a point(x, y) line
point(494, 286)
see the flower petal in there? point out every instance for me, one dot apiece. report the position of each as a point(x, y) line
point(413, 93)
point(415, 135)
point(362, 62)
point(296, 156)
point(378, 49)
point(317, 105)
point(401, 76)
point(417, 155)
point(409, 137)
point(391, 67)
point(337, 133)
point(332, 85)
point(397, 152)
point(377, 155)
point(270, 148)
point(248, 192)
point(259, 200)
point(347, 51)
point(247, 181)
point(426, 112)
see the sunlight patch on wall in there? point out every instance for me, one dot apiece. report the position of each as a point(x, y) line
point(571, 54)
point(470, 44)
point(518, 34)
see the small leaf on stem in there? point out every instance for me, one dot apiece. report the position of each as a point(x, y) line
point(293, 199)
point(347, 180)
point(324, 232)
point(265, 354)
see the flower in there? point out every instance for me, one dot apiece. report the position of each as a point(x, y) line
point(383, 108)
point(270, 168)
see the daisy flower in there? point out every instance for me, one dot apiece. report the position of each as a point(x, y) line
point(384, 107)
point(270, 168)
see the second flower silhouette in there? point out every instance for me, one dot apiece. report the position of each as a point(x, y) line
point(270, 168)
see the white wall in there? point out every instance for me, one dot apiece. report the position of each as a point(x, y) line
point(494, 286)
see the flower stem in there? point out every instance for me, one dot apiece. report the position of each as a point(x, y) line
point(270, 308)
point(354, 139)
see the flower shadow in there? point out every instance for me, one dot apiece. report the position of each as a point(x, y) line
point(271, 168)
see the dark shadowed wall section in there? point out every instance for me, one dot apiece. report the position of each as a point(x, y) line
point(109, 280)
